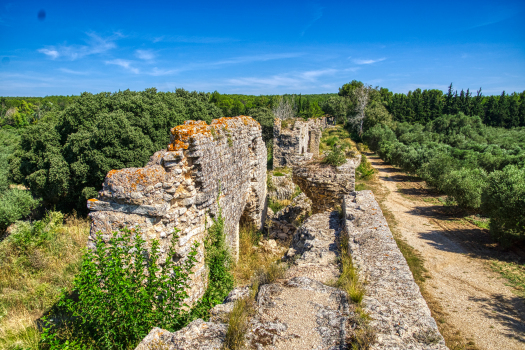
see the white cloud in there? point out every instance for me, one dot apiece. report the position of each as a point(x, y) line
point(156, 72)
point(53, 54)
point(362, 61)
point(313, 74)
point(124, 64)
point(146, 55)
point(95, 45)
point(256, 58)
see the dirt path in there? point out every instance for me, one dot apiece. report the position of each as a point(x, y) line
point(476, 299)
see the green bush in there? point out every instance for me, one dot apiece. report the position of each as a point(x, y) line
point(465, 186)
point(65, 161)
point(504, 201)
point(15, 204)
point(335, 157)
point(120, 294)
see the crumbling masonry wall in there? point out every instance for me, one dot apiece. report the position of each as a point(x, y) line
point(297, 142)
point(179, 188)
point(325, 184)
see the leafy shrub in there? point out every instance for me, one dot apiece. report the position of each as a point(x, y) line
point(335, 157)
point(15, 204)
point(365, 171)
point(465, 159)
point(465, 186)
point(65, 161)
point(504, 201)
point(121, 293)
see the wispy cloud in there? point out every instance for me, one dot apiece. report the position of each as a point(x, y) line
point(257, 58)
point(95, 45)
point(367, 61)
point(156, 72)
point(216, 64)
point(70, 71)
point(124, 64)
point(317, 12)
point(291, 80)
point(192, 39)
point(50, 52)
point(146, 55)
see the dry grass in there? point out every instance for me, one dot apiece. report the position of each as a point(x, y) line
point(238, 323)
point(253, 257)
point(36, 262)
point(257, 265)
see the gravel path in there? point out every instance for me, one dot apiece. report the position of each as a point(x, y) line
point(478, 302)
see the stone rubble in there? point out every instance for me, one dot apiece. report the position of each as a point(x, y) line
point(284, 223)
point(284, 187)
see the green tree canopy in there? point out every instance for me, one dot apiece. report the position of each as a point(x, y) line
point(64, 161)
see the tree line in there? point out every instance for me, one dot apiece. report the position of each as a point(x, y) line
point(422, 106)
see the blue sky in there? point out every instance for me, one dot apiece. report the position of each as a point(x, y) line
point(270, 47)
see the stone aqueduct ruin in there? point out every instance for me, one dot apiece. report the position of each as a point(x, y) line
point(224, 165)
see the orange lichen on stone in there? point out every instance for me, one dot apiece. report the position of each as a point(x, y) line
point(177, 145)
point(135, 176)
point(92, 200)
point(182, 134)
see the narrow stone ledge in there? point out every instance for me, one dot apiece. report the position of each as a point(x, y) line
point(393, 300)
point(150, 210)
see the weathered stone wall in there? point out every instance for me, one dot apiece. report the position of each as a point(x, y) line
point(324, 184)
point(392, 299)
point(298, 143)
point(284, 187)
point(284, 223)
point(180, 186)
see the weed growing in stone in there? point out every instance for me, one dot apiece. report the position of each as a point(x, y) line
point(365, 171)
point(238, 323)
point(362, 335)
point(278, 204)
point(219, 262)
point(121, 293)
point(349, 278)
point(335, 157)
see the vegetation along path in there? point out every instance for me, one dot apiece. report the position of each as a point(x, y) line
point(469, 297)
